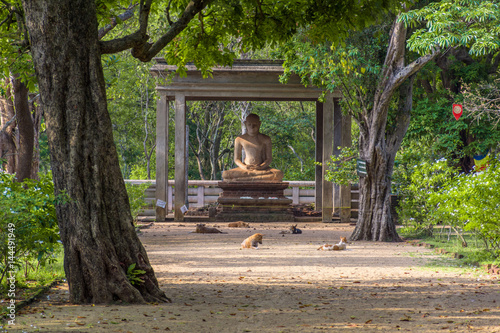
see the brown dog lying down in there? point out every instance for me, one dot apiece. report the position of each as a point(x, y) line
point(252, 242)
point(337, 247)
point(239, 224)
point(201, 229)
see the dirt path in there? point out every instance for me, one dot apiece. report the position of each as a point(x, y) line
point(285, 286)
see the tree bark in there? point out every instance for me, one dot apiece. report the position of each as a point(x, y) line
point(298, 157)
point(25, 128)
point(427, 86)
point(8, 136)
point(378, 144)
point(96, 228)
point(215, 149)
point(36, 112)
point(19, 135)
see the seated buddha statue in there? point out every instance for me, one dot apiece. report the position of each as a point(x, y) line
point(258, 151)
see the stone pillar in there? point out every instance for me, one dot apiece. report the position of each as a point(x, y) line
point(345, 190)
point(327, 187)
point(180, 156)
point(186, 167)
point(337, 142)
point(318, 195)
point(341, 138)
point(161, 157)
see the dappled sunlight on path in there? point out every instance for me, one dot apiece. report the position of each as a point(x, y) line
point(286, 286)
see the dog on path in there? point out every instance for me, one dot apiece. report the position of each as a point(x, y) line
point(342, 245)
point(252, 242)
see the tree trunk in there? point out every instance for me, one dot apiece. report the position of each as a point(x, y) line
point(209, 122)
point(298, 157)
point(379, 144)
point(36, 112)
point(214, 153)
point(8, 137)
point(466, 163)
point(20, 123)
point(25, 128)
point(200, 165)
point(375, 188)
point(96, 228)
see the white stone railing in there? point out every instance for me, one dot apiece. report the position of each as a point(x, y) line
point(204, 192)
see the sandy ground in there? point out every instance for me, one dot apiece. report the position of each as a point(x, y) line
point(285, 286)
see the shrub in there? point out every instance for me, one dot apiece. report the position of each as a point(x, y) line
point(472, 202)
point(28, 222)
point(136, 197)
point(469, 203)
point(415, 211)
point(139, 171)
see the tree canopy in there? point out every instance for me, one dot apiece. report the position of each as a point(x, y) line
point(209, 32)
point(450, 23)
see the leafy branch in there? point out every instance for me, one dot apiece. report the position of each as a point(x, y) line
point(342, 167)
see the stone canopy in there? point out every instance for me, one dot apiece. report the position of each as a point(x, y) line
point(246, 80)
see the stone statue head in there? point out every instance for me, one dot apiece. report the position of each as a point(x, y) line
point(252, 124)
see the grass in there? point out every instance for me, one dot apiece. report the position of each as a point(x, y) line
point(475, 254)
point(35, 282)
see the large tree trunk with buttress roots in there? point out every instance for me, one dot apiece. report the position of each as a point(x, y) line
point(96, 228)
point(375, 188)
point(379, 143)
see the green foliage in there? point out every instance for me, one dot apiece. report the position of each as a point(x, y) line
point(468, 23)
point(434, 126)
point(31, 284)
point(412, 153)
point(212, 128)
point(291, 128)
point(229, 27)
point(133, 275)
point(14, 44)
point(445, 238)
point(28, 218)
point(136, 197)
point(131, 93)
point(415, 211)
point(140, 172)
point(342, 167)
point(472, 202)
point(469, 203)
point(353, 68)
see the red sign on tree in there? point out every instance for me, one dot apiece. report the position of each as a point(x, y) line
point(457, 111)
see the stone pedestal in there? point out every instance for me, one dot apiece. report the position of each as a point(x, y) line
point(254, 202)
